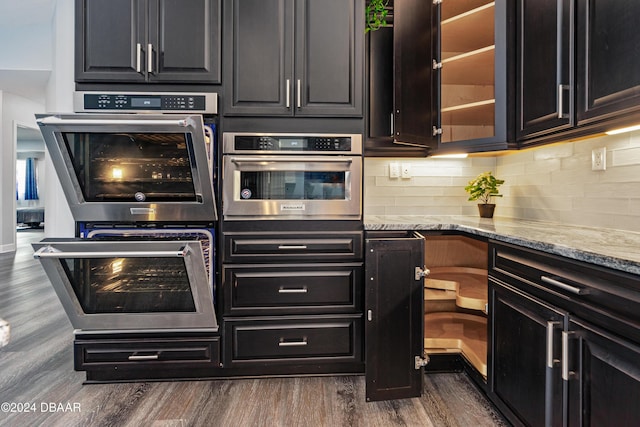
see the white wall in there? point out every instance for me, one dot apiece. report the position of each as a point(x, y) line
point(549, 183)
point(14, 111)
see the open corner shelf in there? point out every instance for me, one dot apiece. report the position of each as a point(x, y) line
point(468, 286)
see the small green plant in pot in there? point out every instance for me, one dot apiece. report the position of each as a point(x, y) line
point(376, 15)
point(483, 188)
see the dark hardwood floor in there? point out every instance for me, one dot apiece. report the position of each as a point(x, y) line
point(36, 374)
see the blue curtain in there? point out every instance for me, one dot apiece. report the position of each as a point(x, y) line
point(30, 184)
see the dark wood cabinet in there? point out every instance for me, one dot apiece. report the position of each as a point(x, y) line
point(608, 59)
point(550, 367)
point(295, 58)
point(545, 96)
point(526, 339)
point(394, 315)
point(148, 41)
point(577, 68)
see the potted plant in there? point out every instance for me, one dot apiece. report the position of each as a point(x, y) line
point(483, 188)
point(376, 13)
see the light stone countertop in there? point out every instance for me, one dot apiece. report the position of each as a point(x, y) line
point(615, 249)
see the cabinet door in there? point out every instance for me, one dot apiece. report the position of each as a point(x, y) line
point(329, 58)
point(260, 69)
point(526, 345)
point(603, 375)
point(545, 58)
point(414, 102)
point(608, 81)
point(110, 40)
point(394, 315)
point(185, 38)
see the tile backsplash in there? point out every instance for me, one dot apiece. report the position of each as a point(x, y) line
point(549, 183)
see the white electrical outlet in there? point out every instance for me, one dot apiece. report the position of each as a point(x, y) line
point(394, 170)
point(599, 159)
point(405, 169)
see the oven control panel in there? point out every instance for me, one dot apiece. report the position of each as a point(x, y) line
point(289, 143)
point(136, 102)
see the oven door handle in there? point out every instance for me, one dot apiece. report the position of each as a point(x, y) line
point(249, 160)
point(50, 252)
point(53, 120)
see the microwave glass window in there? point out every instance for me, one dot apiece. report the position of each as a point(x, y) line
point(293, 185)
point(130, 285)
point(125, 167)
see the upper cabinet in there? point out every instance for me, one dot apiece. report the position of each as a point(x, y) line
point(148, 41)
point(294, 58)
point(452, 76)
point(578, 63)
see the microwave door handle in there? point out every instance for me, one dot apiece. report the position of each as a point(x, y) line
point(49, 252)
point(52, 120)
point(238, 160)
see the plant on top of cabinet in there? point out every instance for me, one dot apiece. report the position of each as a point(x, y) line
point(376, 14)
point(483, 188)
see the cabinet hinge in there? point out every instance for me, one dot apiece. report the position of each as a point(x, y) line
point(437, 2)
point(421, 272)
point(436, 65)
point(419, 361)
point(437, 131)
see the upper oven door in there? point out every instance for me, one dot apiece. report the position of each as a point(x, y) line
point(132, 167)
point(292, 187)
point(130, 285)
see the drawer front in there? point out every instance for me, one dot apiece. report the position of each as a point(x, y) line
point(298, 246)
point(147, 353)
point(258, 289)
point(338, 339)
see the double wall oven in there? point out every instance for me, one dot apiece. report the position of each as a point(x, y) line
point(138, 173)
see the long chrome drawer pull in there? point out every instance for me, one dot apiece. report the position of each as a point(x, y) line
point(145, 357)
point(93, 122)
point(292, 291)
point(292, 247)
point(49, 252)
point(562, 285)
point(292, 343)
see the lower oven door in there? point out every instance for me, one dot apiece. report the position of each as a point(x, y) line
point(292, 187)
point(130, 285)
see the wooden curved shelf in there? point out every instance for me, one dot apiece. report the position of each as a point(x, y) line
point(469, 284)
point(457, 333)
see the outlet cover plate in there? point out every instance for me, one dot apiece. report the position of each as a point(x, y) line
point(599, 159)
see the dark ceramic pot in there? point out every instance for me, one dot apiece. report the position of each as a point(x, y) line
point(486, 210)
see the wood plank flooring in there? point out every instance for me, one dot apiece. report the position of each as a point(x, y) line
point(36, 368)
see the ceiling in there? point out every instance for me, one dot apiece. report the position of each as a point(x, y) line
point(30, 84)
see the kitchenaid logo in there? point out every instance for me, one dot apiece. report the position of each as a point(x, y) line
point(292, 207)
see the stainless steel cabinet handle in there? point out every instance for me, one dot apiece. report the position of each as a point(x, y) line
point(49, 252)
point(288, 94)
point(551, 327)
point(299, 95)
point(150, 58)
point(292, 291)
point(564, 286)
point(144, 357)
point(292, 247)
point(53, 120)
point(560, 103)
point(392, 124)
point(292, 343)
point(138, 57)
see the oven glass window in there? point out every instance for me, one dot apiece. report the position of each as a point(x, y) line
point(293, 185)
point(130, 285)
point(127, 167)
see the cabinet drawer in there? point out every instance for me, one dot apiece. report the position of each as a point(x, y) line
point(251, 289)
point(285, 246)
point(177, 352)
point(299, 339)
